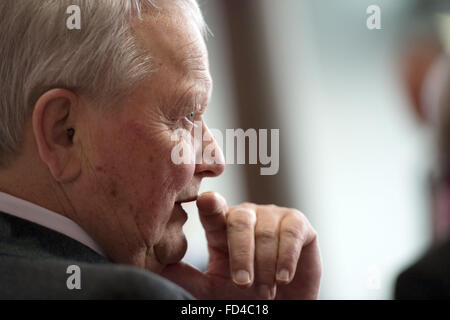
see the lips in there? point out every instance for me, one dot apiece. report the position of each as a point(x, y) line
point(187, 199)
point(180, 214)
point(180, 209)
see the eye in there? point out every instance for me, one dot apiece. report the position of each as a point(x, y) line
point(191, 116)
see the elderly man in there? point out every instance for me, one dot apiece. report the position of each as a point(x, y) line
point(88, 184)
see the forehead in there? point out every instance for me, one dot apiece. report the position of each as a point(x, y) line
point(174, 43)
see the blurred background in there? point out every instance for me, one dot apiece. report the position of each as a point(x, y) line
point(354, 157)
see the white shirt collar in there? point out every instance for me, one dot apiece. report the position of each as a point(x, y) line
point(29, 211)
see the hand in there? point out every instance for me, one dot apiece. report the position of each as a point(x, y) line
point(255, 252)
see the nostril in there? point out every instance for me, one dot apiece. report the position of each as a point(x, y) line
point(210, 170)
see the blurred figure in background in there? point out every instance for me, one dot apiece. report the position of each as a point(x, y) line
point(427, 74)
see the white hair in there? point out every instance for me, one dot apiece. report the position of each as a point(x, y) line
point(38, 52)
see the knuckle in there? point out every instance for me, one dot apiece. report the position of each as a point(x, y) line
point(271, 207)
point(305, 229)
point(273, 210)
point(241, 220)
point(296, 214)
point(293, 233)
point(265, 235)
point(290, 258)
point(239, 224)
point(240, 254)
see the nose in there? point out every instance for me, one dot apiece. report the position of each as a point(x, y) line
point(210, 159)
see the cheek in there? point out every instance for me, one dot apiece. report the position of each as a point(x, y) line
point(182, 159)
point(182, 175)
point(137, 168)
point(149, 161)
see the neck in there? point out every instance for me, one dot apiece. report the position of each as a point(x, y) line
point(35, 184)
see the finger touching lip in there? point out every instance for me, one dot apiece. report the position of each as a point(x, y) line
point(211, 203)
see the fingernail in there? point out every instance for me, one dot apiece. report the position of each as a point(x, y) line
point(283, 275)
point(242, 277)
point(265, 292)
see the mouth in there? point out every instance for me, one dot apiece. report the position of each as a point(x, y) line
point(179, 208)
point(184, 197)
point(187, 199)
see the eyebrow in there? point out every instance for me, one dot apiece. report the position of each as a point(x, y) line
point(195, 95)
point(191, 102)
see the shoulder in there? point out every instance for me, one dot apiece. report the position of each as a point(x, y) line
point(23, 278)
point(428, 278)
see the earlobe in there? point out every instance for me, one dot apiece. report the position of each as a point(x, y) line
point(54, 128)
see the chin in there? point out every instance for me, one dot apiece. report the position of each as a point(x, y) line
point(172, 249)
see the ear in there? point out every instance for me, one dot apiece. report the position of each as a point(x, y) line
point(54, 129)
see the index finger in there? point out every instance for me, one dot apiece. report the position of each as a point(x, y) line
point(212, 208)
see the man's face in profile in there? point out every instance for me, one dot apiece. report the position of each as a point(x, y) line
point(130, 183)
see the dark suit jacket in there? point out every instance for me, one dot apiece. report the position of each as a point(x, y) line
point(428, 278)
point(34, 262)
